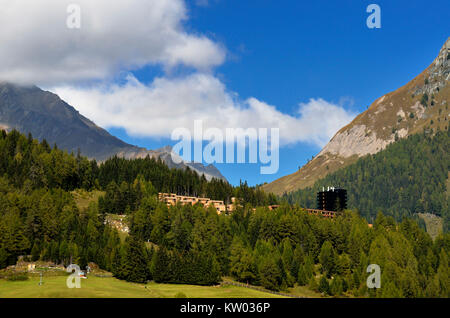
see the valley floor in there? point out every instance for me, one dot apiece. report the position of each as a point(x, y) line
point(108, 287)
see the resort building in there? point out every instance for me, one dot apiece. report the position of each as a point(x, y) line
point(332, 199)
point(173, 199)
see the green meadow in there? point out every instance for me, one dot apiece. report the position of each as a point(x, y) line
point(109, 287)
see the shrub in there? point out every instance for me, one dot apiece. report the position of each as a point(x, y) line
point(424, 100)
point(324, 287)
point(336, 286)
point(17, 277)
point(313, 284)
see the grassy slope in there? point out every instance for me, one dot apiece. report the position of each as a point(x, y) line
point(314, 170)
point(84, 198)
point(433, 223)
point(96, 287)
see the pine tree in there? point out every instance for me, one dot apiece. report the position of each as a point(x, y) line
point(327, 258)
point(336, 286)
point(313, 284)
point(160, 266)
point(390, 290)
point(302, 279)
point(35, 252)
point(3, 258)
point(443, 275)
point(269, 274)
point(135, 266)
point(324, 287)
point(116, 262)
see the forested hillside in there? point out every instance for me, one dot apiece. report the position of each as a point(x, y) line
point(46, 116)
point(30, 164)
point(406, 178)
point(276, 249)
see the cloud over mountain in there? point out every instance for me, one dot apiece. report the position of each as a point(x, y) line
point(155, 110)
point(120, 36)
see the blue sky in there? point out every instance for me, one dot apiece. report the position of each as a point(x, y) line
point(286, 52)
point(143, 68)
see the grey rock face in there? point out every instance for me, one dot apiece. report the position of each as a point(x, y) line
point(439, 72)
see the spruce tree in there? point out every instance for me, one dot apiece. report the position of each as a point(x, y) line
point(160, 266)
point(35, 252)
point(324, 287)
point(327, 258)
point(3, 258)
point(135, 265)
point(269, 274)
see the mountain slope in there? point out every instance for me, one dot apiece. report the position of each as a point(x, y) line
point(406, 178)
point(43, 114)
point(420, 104)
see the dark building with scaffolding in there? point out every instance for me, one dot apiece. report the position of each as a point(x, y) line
point(332, 199)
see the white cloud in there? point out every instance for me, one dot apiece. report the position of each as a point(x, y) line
point(118, 36)
point(38, 48)
point(155, 110)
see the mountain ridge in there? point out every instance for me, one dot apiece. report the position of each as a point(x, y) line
point(420, 104)
point(45, 115)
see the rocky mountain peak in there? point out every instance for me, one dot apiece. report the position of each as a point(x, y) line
point(420, 105)
point(444, 54)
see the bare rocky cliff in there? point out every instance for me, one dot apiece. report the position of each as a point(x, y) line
point(420, 104)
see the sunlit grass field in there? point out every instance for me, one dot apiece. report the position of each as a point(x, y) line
point(83, 198)
point(109, 287)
